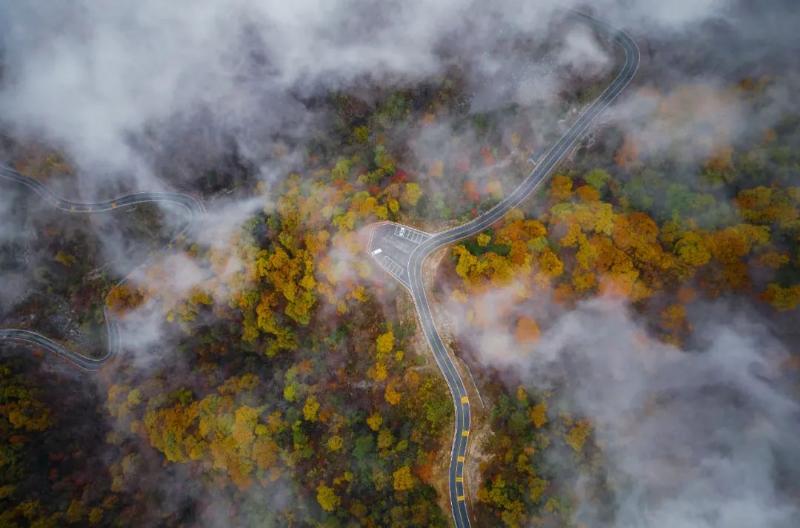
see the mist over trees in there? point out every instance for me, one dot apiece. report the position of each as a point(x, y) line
point(628, 333)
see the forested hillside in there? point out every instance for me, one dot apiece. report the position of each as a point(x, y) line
point(272, 376)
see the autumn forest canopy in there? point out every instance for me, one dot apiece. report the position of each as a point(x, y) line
point(628, 334)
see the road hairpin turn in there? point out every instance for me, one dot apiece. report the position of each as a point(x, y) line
point(398, 249)
point(191, 205)
point(401, 251)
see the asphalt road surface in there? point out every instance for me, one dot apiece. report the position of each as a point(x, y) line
point(191, 205)
point(401, 250)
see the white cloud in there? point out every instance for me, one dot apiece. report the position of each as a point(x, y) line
point(94, 76)
point(693, 438)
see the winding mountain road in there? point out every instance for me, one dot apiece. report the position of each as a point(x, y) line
point(402, 250)
point(191, 205)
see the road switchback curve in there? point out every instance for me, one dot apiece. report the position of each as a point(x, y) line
point(402, 250)
point(193, 209)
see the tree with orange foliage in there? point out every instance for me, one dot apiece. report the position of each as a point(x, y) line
point(391, 394)
point(123, 298)
point(526, 330)
point(226, 435)
point(721, 161)
point(560, 188)
point(470, 189)
point(627, 154)
point(587, 194)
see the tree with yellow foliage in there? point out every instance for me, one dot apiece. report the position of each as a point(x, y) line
point(335, 442)
point(95, 516)
point(217, 430)
point(538, 414)
point(691, 249)
point(391, 395)
point(783, 298)
point(378, 372)
point(402, 479)
point(384, 344)
point(65, 259)
point(549, 264)
point(310, 408)
point(374, 421)
point(411, 194)
point(578, 434)
point(385, 438)
point(327, 498)
point(244, 424)
point(20, 407)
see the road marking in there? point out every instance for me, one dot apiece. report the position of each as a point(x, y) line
point(42, 342)
point(545, 164)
